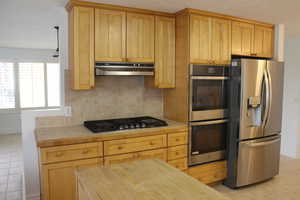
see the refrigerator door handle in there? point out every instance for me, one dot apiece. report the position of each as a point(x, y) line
point(264, 143)
point(268, 98)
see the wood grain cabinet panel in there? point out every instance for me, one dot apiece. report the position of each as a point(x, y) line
point(140, 38)
point(209, 173)
point(177, 152)
point(164, 52)
point(242, 38)
point(143, 155)
point(81, 50)
point(200, 39)
point(110, 35)
point(263, 42)
point(175, 139)
point(134, 144)
point(180, 164)
point(221, 41)
point(71, 152)
point(59, 181)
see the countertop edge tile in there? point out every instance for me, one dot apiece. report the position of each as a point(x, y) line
point(68, 135)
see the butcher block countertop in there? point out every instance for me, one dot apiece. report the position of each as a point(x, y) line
point(57, 136)
point(141, 180)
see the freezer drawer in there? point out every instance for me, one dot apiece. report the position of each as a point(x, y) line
point(258, 160)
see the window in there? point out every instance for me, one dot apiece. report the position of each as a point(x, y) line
point(39, 85)
point(7, 86)
point(32, 85)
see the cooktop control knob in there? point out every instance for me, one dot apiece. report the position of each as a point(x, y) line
point(137, 125)
point(143, 125)
point(126, 126)
point(132, 126)
point(121, 127)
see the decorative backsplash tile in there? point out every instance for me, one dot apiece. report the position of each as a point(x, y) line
point(112, 97)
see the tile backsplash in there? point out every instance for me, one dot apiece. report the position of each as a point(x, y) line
point(112, 97)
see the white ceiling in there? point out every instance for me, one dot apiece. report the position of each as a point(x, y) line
point(29, 23)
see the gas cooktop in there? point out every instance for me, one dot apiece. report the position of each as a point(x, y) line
point(123, 124)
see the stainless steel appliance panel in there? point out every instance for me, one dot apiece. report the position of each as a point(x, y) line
point(258, 160)
point(253, 79)
point(274, 119)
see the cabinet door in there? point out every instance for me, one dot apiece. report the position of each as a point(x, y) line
point(221, 41)
point(165, 52)
point(110, 33)
point(268, 43)
point(242, 38)
point(81, 59)
point(263, 42)
point(59, 181)
point(140, 38)
point(200, 39)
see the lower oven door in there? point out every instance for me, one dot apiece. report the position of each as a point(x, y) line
point(207, 141)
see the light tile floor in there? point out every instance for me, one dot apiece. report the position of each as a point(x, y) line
point(11, 167)
point(285, 186)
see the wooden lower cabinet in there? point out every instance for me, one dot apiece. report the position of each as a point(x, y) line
point(125, 158)
point(209, 173)
point(180, 164)
point(59, 181)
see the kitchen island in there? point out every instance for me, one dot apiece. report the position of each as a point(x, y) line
point(141, 180)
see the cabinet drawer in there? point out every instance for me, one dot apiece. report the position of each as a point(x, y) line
point(71, 152)
point(177, 152)
point(177, 139)
point(180, 164)
point(134, 144)
point(209, 173)
point(153, 154)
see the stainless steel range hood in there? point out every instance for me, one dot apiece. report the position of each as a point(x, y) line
point(124, 69)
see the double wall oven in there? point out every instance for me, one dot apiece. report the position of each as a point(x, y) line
point(208, 113)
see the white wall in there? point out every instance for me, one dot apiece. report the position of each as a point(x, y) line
point(291, 104)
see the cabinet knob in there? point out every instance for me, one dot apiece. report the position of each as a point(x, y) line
point(85, 151)
point(151, 143)
point(120, 147)
point(58, 154)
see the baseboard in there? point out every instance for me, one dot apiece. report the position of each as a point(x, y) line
point(33, 197)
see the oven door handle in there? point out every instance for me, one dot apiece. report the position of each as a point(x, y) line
point(209, 77)
point(209, 122)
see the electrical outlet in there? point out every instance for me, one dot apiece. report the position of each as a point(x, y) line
point(68, 111)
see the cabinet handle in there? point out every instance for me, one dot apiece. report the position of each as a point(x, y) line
point(151, 143)
point(176, 153)
point(253, 54)
point(177, 140)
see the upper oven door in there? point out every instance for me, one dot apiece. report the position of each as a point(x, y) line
point(208, 98)
point(208, 85)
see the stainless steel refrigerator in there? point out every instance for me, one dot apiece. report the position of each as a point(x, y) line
point(255, 114)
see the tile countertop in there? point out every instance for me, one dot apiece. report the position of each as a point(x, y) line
point(56, 136)
point(141, 180)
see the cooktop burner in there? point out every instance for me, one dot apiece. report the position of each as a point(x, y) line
point(123, 124)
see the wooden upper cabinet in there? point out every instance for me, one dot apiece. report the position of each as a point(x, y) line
point(110, 35)
point(81, 41)
point(140, 38)
point(200, 39)
point(242, 38)
point(165, 52)
point(221, 41)
point(263, 42)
